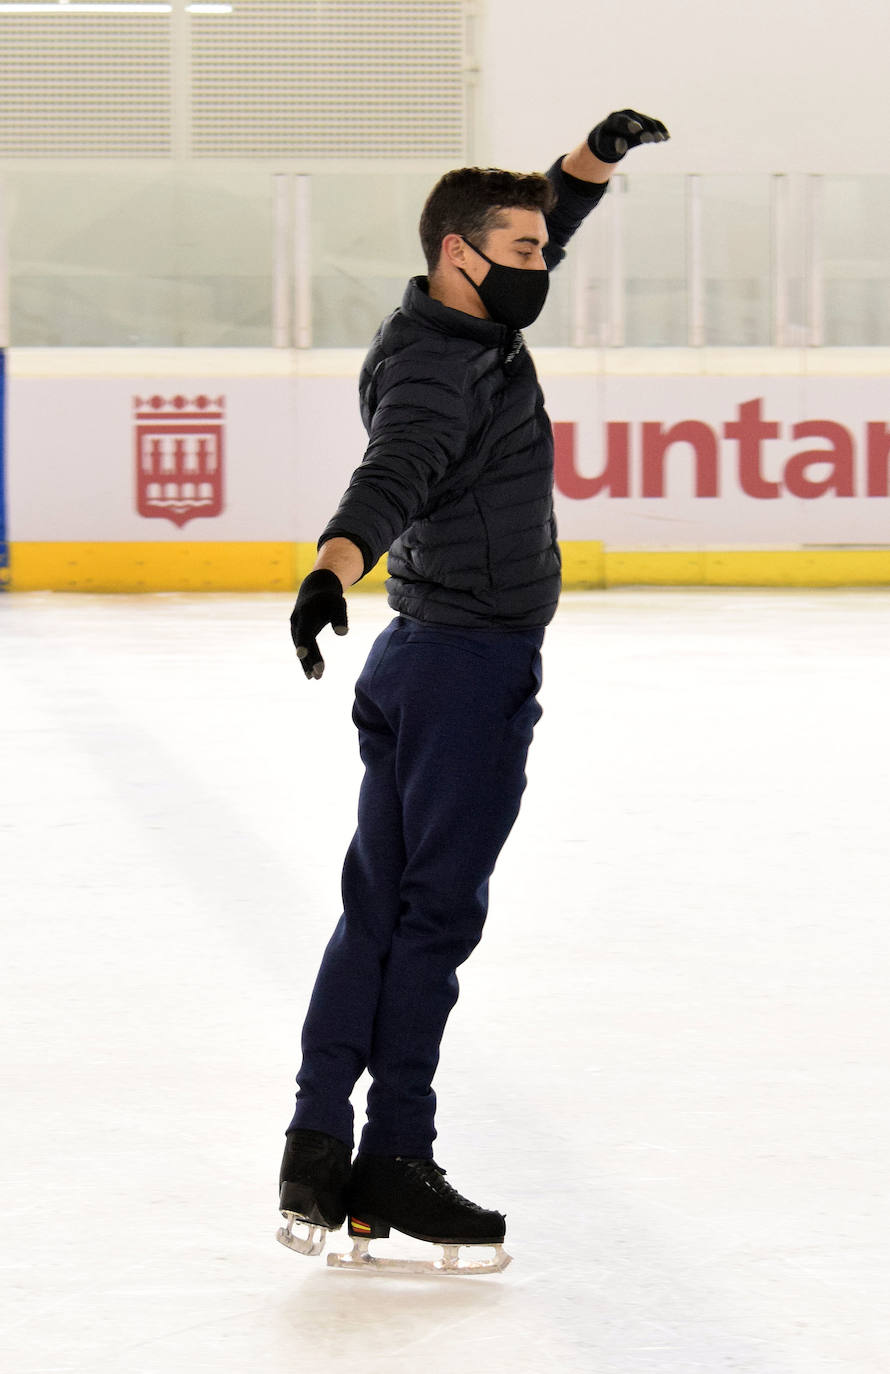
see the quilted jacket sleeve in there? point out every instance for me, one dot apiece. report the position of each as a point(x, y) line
point(417, 429)
point(575, 200)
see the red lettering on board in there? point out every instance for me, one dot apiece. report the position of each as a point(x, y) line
point(839, 458)
point(878, 443)
point(751, 430)
point(615, 477)
point(656, 442)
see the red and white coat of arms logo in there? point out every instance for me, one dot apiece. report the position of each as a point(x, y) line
point(179, 457)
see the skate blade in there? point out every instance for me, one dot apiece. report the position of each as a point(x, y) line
point(312, 1243)
point(360, 1261)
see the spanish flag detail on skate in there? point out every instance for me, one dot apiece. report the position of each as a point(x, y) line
point(361, 1228)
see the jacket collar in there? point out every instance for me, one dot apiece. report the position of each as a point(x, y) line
point(419, 303)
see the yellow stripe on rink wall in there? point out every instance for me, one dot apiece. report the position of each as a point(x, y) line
point(746, 568)
point(109, 566)
point(155, 567)
point(261, 566)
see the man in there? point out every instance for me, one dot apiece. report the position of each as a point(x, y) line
point(456, 483)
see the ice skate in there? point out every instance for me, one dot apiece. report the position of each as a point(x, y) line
point(412, 1196)
point(312, 1190)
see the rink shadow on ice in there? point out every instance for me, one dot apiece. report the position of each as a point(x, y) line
point(382, 1315)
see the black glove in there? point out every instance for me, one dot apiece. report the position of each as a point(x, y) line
point(624, 129)
point(320, 602)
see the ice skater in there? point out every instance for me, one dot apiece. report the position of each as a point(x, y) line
point(457, 484)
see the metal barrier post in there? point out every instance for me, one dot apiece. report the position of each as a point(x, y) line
point(281, 259)
point(779, 228)
point(815, 281)
point(302, 261)
point(615, 204)
point(695, 279)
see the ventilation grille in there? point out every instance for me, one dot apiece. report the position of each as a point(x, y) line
point(273, 79)
point(330, 78)
point(85, 85)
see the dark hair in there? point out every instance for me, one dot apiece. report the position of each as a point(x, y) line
point(469, 202)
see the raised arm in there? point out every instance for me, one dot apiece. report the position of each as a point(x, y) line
point(581, 176)
point(595, 159)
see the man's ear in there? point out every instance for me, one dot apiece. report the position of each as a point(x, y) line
point(454, 251)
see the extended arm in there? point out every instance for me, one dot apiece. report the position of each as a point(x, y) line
point(416, 431)
point(339, 564)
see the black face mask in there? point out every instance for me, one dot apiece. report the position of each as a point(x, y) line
point(513, 296)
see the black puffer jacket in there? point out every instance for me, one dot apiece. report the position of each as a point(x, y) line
point(457, 478)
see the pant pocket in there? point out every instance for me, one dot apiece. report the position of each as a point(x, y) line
point(521, 700)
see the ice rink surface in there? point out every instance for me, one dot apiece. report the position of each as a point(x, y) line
point(668, 1066)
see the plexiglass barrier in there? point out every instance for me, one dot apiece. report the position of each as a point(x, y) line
point(238, 256)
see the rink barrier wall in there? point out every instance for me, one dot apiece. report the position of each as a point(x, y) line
point(674, 467)
point(110, 566)
point(4, 546)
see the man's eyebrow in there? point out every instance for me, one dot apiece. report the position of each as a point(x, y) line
point(530, 238)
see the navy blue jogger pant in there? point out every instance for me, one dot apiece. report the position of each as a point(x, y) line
point(445, 718)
